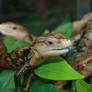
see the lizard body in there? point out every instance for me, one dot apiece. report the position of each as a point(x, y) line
point(84, 37)
point(41, 48)
point(28, 56)
point(83, 44)
point(16, 31)
point(15, 59)
point(83, 61)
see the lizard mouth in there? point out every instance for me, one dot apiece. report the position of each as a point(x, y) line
point(68, 50)
point(71, 50)
point(63, 51)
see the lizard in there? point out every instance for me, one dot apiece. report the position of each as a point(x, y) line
point(82, 62)
point(27, 57)
point(79, 24)
point(16, 31)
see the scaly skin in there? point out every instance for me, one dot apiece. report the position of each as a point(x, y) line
point(16, 31)
point(84, 37)
point(83, 62)
point(28, 56)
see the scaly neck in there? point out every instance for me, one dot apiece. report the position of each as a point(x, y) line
point(17, 58)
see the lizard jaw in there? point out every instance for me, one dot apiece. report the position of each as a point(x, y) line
point(68, 49)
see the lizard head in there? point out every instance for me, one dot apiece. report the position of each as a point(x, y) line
point(52, 45)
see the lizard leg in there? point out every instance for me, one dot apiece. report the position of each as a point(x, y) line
point(18, 76)
point(26, 76)
point(26, 80)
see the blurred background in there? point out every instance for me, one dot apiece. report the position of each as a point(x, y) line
point(38, 15)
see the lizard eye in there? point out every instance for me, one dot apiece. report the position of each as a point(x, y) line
point(49, 42)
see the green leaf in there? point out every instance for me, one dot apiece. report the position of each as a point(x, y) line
point(11, 44)
point(65, 27)
point(56, 68)
point(46, 31)
point(7, 90)
point(7, 80)
point(82, 86)
point(64, 91)
point(40, 86)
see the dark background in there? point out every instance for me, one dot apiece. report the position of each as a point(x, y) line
point(38, 15)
